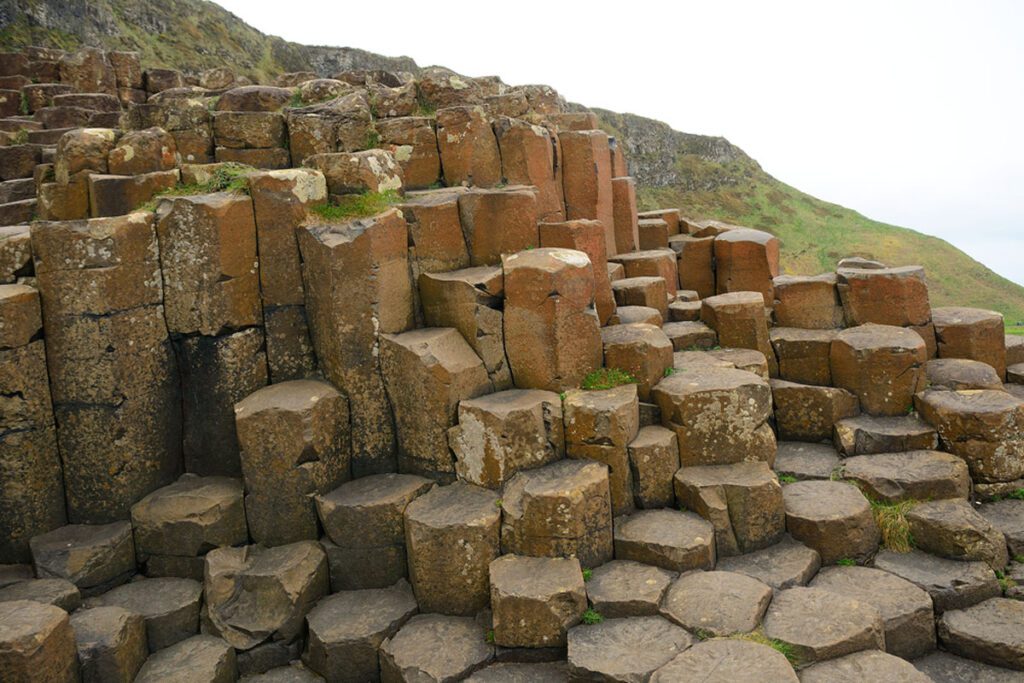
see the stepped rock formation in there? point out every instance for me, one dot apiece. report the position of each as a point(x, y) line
point(384, 377)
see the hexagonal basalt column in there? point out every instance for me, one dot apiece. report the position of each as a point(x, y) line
point(883, 365)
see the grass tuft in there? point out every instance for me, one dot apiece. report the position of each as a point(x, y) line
point(607, 378)
point(588, 574)
point(591, 617)
point(758, 636)
point(846, 562)
point(357, 205)
point(891, 519)
point(230, 177)
point(787, 479)
point(489, 636)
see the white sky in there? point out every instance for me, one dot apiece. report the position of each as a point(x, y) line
point(909, 112)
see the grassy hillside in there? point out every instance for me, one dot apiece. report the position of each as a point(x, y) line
point(706, 179)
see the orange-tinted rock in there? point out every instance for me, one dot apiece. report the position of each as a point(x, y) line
point(883, 365)
point(885, 296)
point(653, 233)
point(746, 261)
point(588, 237)
point(641, 350)
point(971, 333)
point(648, 292)
point(670, 216)
point(803, 355)
point(143, 151)
point(83, 149)
point(88, 70)
point(254, 98)
point(809, 413)
point(696, 263)
point(587, 180)
point(116, 195)
point(498, 222)
point(808, 302)
point(263, 157)
point(469, 150)
point(347, 173)
point(552, 334)
point(529, 157)
point(739, 320)
point(413, 142)
point(624, 220)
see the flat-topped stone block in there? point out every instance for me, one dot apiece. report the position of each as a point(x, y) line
point(867, 665)
point(646, 291)
point(169, 607)
point(623, 588)
point(953, 529)
point(821, 625)
point(743, 502)
point(600, 425)
point(786, 564)
point(651, 263)
point(867, 434)
point(696, 263)
point(498, 221)
point(93, 557)
point(1008, 517)
point(803, 355)
point(535, 600)
point(809, 413)
point(833, 518)
point(952, 584)
point(199, 658)
point(991, 632)
point(948, 668)
point(914, 475)
point(727, 661)
point(803, 461)
point(718, 603)
point(111, 644)
point(689, 336)
point(434, 647)
point(739, 320)
point(625, 315)
point(588, 236)
point(881, 364)
point(624, 649)
point(451, 537)
point(809, 302)
point(684, 311)
point(746, 261)
point(653, 232)
point(670, 539)
point(971, 333)
point(57, 592)
point(885, 296)
point(364, 518)
point(961, 373)
point(36, 643)
point(559, 510)
point(346, 630)
point(644, 351)
point(906, 609)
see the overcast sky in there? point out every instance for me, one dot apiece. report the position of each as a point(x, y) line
point(909, 112)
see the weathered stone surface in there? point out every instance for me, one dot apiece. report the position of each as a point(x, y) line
point(783, 565)
point(717, 602)
point(807, 302)
point(739, 320)
point(260, 157)
point(622, 588)
point(36, 643)
point(373, 170)
point(587, 180)
point(624, 218)
point(626, 650)
point(719, 415)
point(451, 536)
point(343, 124)
point(944, 667)
point(111, 644)
point(88, 69)
point(952, 584)
point(914, 475)
point(199, 658)
point(93, 557)
point(426, 373)
point(248, 129)
point(906, 609)
point(253, 98)
point(689, 335)
point(502, 433)
point(469, 150)
point(684, 311)
point(867, 434)
point(882, 365)
point(295, 443)
point(1008, 517)
point(19, 161)
point(833, 518)
point(991, 632)
point(169, 606)
point(743, 502)
point(559, 510)
point(971, 333)
point(644, 351)
point(432, 647)
point(256, 594)
point(696, 263)
point(641, 291)
point(293, 672)
point(959, 374)
point(83, 149)
point(822, 625)
point(650, 263)
point(884, 296)
point(111, 195)
point(867, 665)
point(985, 428)
point(809, 413)
point(951, 528)
point(347, 628)
point(552, 334)
point(57, 592)
point(15, 252)
point(347, 310)
point(1014, 349)
point(535, 600)
point(587, 236)
point(653, 461)
point(143, 151)
point(364, 518)
point(803, 355)
point(746, 261)
point(673, 540)
point(727, 661)
point(529, 157)
point(653, 233)
point(513, 672)
point(805, 460)
point(413, 143)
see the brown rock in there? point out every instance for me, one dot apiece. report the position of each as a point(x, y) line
point(83, 149)
point(535, 600)
point(644, 351)
point(803, 355)
point(807, 302)
point(952, 584)
point(952, 529)
point(739, 320)
point(884, 296)
point(989, 632)
point(199, 658)
point(651, 263)
point(432, 647)
point(717, 603)
point(653, 461)
point(143, 151)
point(622, 588)
point(412, 141)
point(469, 150)
point(881, 365)
point(111, 195)
point(254, 98)
point(971, 333)
point(626, 315)
point(586, 236)
point(728, 661)
point(806, 460)
point(624, 218)
point(696, 263)
point(746, 261)
point(529, 156)
point(648, 292)
point(36, 643)
point(673, 540)
point(624, 649)
point(169, 606)
point(653, 233)
point(94, 557)
point(833, 518)
point(15, 252)
point(436, 231)
point(498, 222)
point(689, 336)
point(587, 180)
point(88, 70)
point(809, 413)
point(1008, 517)
point(783, 565)
point(111, 644)
point(871, 665)
point(915, 475)
point(865, 434)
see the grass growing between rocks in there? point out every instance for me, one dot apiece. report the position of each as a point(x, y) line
point(607, 378)
point(891, 519)
point(1005, 582)
point(230, 177)
point(846, 562)
point(591, 617)
point(357, 205)
point(787, 479)
point(758, 636)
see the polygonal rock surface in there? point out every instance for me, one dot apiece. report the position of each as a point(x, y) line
point(91, 556)
point(626, 650)
point(294, 672)
point(347, 628)
point(254, 594)
point(971, 333)
point(364, 519)
point(742, 501)
point(746, 260)
point(689, 335)
point(535, 600)
point(803, 354)
point(783, 565)
point(719, 415)
point(805, 460)
point(944, 667)
point(809, 302)
point(559, 510)
point(906, 609)
point(882, 365)
point(952, 528)
point(111, 644)
point(886, 296)
point(56, 592)
point(833, 518)
point(169, 606)
point(868, 665)
point(511, 672)
point(821, 625)
point(502, 433)
point(622, 588)
point(673, 540)
point(452, 534)
point(727, 661)
point(654, 460)
point(199, 658)
point(739, 321)
point(960, 373)
point(867, 434)
point(914, 475)
point(809, 413)
point(36, 643)
point(951, 583)
point(432, 647)
point(644, 351)
point(716, 602)
point(646, 292)
point(991, 632)
point(1008, 517)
